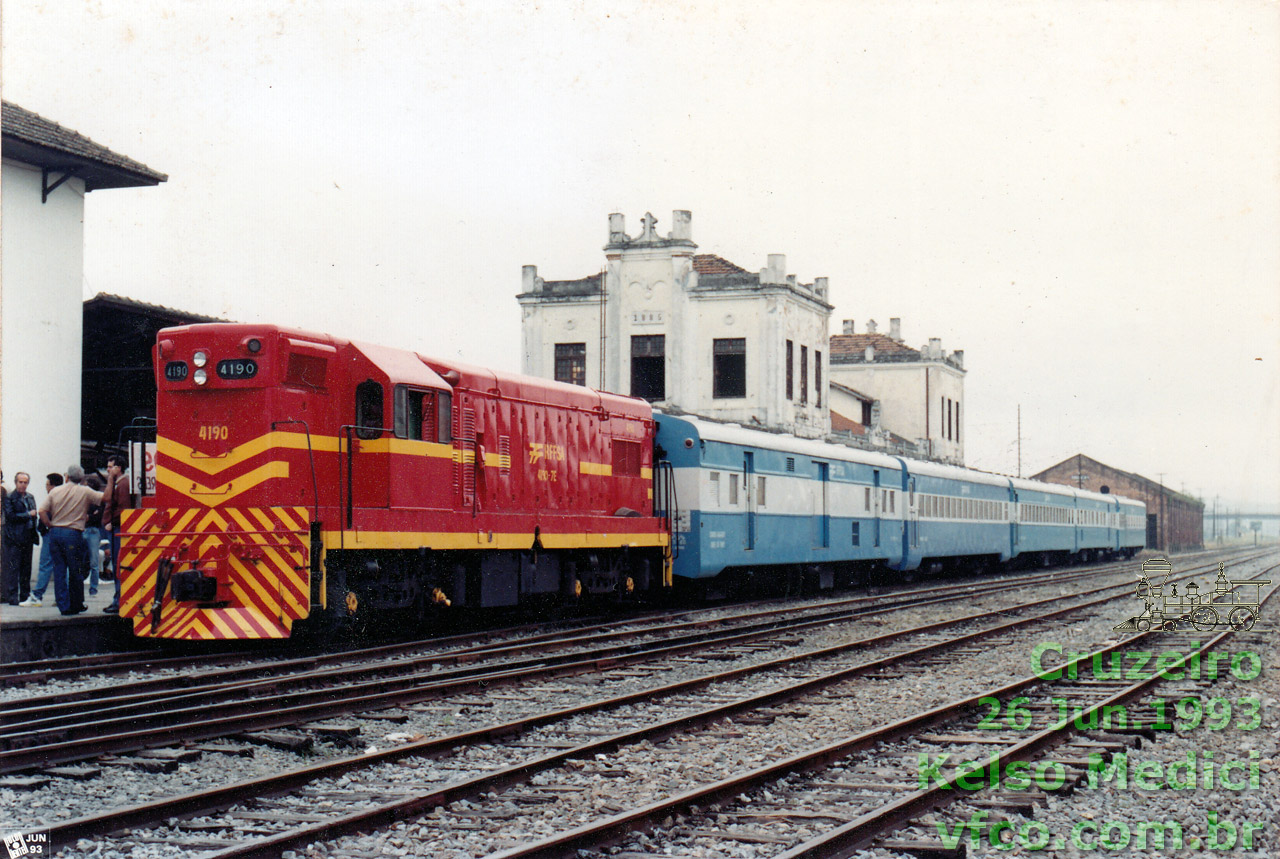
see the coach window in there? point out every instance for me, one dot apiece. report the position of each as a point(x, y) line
point(369, 409)
point(760, 497)
point(733, 490)
point(715, 489)
point(571, 363)
point(729, 368)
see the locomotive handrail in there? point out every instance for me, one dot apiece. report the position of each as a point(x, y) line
point(347, 429)
point(315, 485)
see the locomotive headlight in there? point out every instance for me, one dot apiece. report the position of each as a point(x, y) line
point(200, 376)
point(254, 345)
point(200, 359)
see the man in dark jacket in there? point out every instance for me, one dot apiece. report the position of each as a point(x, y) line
point(115, 499)
point(19, 537)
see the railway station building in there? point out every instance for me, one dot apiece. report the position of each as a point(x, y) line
point(695, 333)
point(692, 333)
point(1175, 522)
point(47, 171)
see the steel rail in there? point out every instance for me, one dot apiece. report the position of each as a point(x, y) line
point(853, 836)
point(151, 691)
point(220, 798)
point(68, 723)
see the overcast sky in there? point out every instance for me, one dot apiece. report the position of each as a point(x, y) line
point(1084, 196)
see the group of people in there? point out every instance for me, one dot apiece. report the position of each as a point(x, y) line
point(68, 526)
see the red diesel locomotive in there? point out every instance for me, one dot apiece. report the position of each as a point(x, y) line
point(300, 475)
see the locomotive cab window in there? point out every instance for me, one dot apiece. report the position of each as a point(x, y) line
point(415, 414)
point(369, 409)
point(444, 417)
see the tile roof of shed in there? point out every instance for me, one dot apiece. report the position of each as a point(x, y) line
point(31, 138)
point(856, 345)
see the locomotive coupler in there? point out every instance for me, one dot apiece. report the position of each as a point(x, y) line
point(193, 585)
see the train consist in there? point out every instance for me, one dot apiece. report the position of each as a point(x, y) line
point(300, 476)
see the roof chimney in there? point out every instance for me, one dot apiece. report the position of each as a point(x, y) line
point(617, 227)
point(820, 287)
point(935, 347)
point(958, 355)
point(681, 225)
point(529, 280)
point(776, 270)
point(847, 326)
point(895, 328)
point(871, 327)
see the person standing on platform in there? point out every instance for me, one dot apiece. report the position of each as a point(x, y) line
point(115, 500)
point(19, 538)
point(93, 534)
point(65, 512)
point(36, 599)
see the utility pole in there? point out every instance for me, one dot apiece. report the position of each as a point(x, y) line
point(1019, 439)
point(1160, 526)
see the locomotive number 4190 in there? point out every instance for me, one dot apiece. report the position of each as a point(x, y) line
point(214, 432)
point(229, 368)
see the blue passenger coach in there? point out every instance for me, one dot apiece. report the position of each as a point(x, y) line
point(755, 503)
point(751, 499)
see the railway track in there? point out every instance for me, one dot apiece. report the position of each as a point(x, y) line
point(18, 674)
point(66, 728)
point(409, 799)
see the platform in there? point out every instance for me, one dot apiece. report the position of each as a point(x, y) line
point(28, 634)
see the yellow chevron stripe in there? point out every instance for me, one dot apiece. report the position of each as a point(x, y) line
point(603, 469)
point(211, 495)
point(646, 473)
point(240, 453)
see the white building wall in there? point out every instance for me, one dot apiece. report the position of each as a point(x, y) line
point(651, 288)
point(902, 390)
point(41, 277)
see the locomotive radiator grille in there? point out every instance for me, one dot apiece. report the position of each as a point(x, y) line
point(259, 557)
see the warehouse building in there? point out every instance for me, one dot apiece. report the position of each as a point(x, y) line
point(1175, 522)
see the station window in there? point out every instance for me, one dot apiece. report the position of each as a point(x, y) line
point(649, 367)
point(729, 368)
point(804, 375)
point(369, 409)
point(790, 368)
point(817, 378)
point(571, 363)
